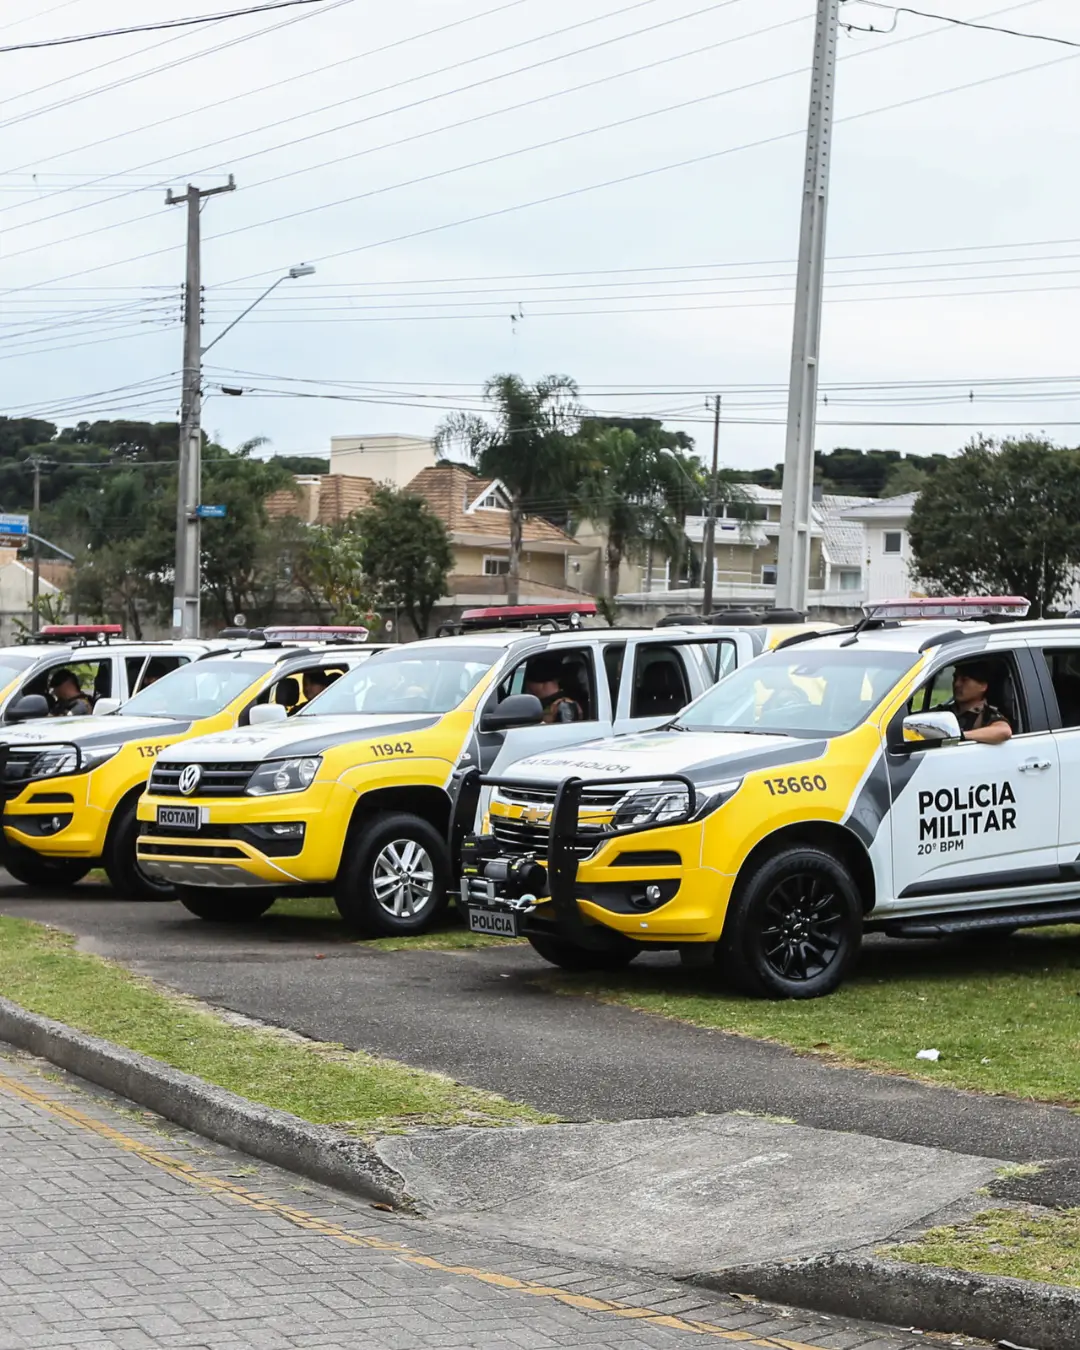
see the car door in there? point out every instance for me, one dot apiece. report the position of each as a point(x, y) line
point(973, 824)
point(1058, 665)
point(661, 677)
point(586, 680)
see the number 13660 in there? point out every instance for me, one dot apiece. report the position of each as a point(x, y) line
point(780, 787)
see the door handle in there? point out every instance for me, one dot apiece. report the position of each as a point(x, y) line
point(1034, 765)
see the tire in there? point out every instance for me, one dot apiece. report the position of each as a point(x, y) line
point(127, 877)
point(224, 906)
point(393, 876)
point(794, 926)
point(42, 873)
point(567, 956)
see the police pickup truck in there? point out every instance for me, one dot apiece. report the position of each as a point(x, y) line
point(822, 791)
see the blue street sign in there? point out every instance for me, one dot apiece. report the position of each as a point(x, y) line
point(15, 525)
point(210, 512)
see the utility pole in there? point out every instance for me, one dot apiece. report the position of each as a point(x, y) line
point(708, 553)
point(793, 561)
point(35, 603)
point(188, 579)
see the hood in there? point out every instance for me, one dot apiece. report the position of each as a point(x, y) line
point(701, 756)
point(112, 730)
point(294, 737)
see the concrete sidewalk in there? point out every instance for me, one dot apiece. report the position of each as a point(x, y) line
point(681, 1196)
point(123, 1233)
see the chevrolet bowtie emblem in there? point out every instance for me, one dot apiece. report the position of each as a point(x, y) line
point(536, 815)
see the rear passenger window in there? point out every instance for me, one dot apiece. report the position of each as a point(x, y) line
point(660, 685)
point(1064, 667)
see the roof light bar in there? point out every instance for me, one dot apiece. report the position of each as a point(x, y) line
point(67, 632)
point(950, 607)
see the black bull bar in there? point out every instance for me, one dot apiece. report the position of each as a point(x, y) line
point(565, 836)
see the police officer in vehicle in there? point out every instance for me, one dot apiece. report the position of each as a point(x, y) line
point(68, 697)
point(543, 679)
point(979, 720)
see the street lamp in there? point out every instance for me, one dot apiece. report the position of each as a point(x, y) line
point(187, 594)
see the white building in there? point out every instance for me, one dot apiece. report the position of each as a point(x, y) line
point(885, 522)
point(384, 459)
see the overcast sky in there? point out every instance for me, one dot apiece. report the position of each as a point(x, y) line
point(648, 291)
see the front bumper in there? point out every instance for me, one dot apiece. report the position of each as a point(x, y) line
point(587, 889)
point(235, 844)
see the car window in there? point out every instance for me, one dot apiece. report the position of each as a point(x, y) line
point(154, 669)
point(1003, 693)
point(799, 693)
point(614, 655)
point(11, 667)
point(575, 675)
point(404, 681)
point(94, 679)
point(1064, 667)
point(714, 659)
point(198, 689)
point(660, 684)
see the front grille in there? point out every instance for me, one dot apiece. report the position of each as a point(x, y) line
point(217, 780)
point(594, 798)
point(184, 850)
point(258, 836)
point(518, 837)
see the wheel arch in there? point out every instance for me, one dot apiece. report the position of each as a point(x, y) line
point(824, 835)
point(130, 797)
point(429, 803)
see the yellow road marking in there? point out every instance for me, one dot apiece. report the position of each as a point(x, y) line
point(225, 1189)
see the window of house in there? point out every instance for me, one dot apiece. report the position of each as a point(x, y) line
point(490, 501)
point(850, 579)
point(768, 574)
point(894, 541)
point(496, 565)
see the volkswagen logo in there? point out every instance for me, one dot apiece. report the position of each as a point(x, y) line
point(190, 777)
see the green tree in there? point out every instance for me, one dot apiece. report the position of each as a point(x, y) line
point(329, 568)
point(406, 553)
point(1002, 518)
point(634, 490)
point(530, 444)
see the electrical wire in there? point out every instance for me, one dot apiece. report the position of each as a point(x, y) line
point(897, 10)
point(155, 27)
point(406, 107)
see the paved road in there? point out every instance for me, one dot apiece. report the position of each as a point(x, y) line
point(482, 1017)
point(123, 1233)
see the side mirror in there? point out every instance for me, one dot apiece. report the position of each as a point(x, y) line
point(922, 730)
point(519, 710)
point(28, 707)
point(104, 706)
point(266, 712)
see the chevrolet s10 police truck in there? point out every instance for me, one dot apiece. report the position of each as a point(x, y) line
point(824, 790)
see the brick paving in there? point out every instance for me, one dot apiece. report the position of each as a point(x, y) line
point(119, 1231)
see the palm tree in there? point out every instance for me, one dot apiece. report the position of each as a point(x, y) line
point(528, 444)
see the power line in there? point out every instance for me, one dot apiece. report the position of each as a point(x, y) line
point(897, 10)
point(156, 27)
point(406, 107)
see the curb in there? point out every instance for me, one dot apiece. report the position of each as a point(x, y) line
point(286, 1141)
point(1039, 1316)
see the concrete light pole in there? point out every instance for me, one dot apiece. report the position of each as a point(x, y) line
point(793, 560)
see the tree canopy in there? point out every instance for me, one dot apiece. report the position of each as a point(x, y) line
point(406, 554)
point(1002, 518)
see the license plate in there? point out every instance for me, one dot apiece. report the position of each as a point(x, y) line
point(493, 922)
point(180, 817)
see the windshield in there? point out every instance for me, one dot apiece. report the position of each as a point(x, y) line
point(11, 667)
point(199, 689)
point(407, 682)
point(799, 693)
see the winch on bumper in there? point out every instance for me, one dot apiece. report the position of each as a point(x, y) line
point(509, 889)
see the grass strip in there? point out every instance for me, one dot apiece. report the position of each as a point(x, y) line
point(327, 1084)
point(1005, 1016)
point(1024, 1244)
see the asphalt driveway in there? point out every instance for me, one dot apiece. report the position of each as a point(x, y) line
point(485, 1018)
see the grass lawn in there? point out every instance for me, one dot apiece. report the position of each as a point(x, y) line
point(41, 971)
point(1027, 1245)
point(449, 937)
point(1005, 1017)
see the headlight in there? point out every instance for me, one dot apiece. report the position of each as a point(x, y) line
point(283, 775)
point(664, 803)
point(56, 760)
